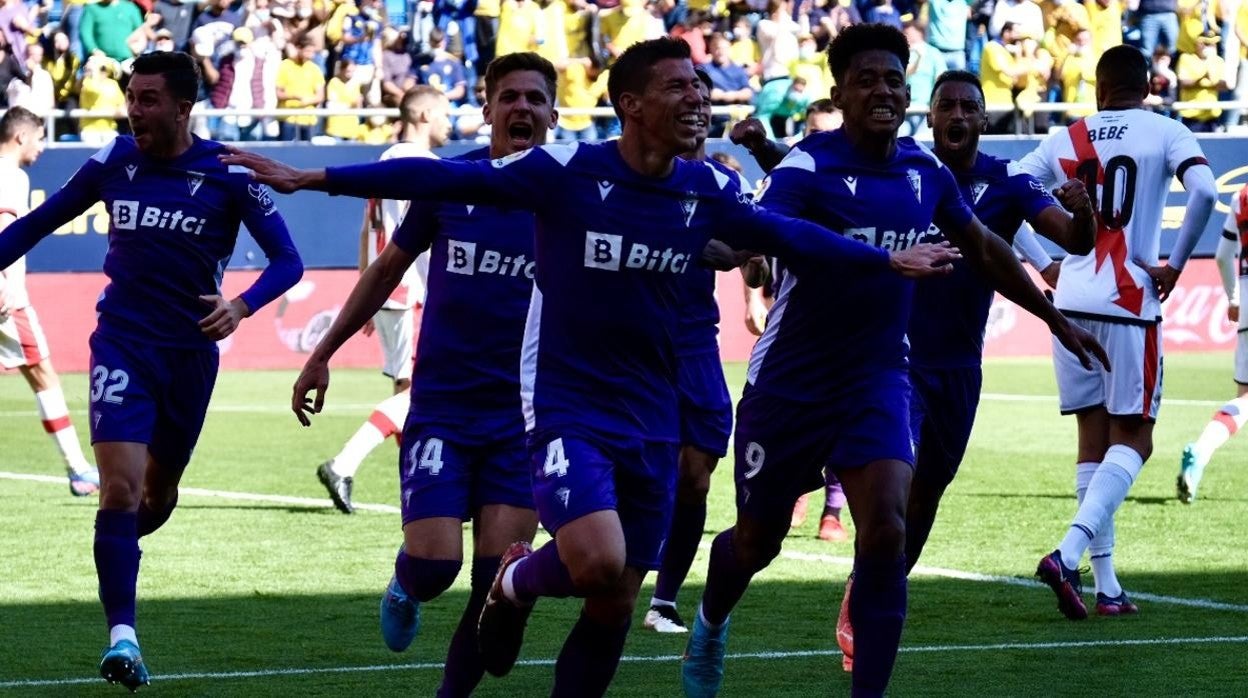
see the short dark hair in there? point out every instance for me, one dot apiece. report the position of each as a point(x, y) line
point(14, 120)
point(514, 62)
point(631, 71)
point(180, 71)
point(821, 106)
point(413, 97)
point(962, 76)
point(705, 77)
point(860, 38)
point(1120, 69)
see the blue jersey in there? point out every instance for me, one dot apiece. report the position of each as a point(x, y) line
point(950, 312)
point(613, 249)
point(172, 229)
point(699, 324)
point(826, 329)
point(481, 270)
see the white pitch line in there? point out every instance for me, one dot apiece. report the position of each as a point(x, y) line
point(660, 659)
point(1015, 397)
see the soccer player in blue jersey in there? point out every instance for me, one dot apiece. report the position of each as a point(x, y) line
point(618, 225)
point(827, 383)
point(175, 211)
point(463, 449)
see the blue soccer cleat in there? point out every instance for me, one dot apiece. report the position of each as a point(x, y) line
point(1190, 471)
point(400, 617)
point(123, 664)
point(702, 671)
point(85, 483)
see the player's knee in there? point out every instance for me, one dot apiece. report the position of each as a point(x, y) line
point(883, 535)
point(425, 579)
point(120, 494)
point(754, 549)
point(596, 571)
point(693, 487)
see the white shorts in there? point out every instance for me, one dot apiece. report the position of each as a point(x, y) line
point(1241, 358)
point(395, 329)
point(22, 342)
point(1132, 388)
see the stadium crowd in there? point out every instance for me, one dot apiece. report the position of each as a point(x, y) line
point(767, 55)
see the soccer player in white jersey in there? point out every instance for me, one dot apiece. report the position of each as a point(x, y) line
point(1231, 417)
point(22, 343)
point(1126, 156)
point(424, 113)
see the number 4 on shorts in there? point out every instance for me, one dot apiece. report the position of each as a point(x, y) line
point(556, 464)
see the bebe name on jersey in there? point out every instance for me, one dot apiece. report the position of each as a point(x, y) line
point(461, 258)
point(890, 239)
point(127, 216)
point(605, 251)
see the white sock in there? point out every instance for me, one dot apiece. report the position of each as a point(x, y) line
point(1225, 423)
point(1106, 492)
point(1102, 546)
point(117, 633)
point(656, 601)
point(386, 420)
point(55, 416)
point(509, 588)
point(709, 625)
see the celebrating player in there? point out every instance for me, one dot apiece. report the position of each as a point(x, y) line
point(824, 387)
point(463, 453)
point(22, 343)
point(175, 212)
point(618, 223)
point(1126, 156)
point(1232, 416)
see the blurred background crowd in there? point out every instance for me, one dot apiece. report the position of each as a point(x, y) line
point(767, 55)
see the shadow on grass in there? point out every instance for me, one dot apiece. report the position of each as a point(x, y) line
point(329, 644)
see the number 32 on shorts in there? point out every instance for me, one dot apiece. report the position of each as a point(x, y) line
point(107, 385)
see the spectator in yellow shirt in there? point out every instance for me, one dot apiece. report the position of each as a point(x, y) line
point(579, 89)
point(1105, 22)
point(343, 92)
point(521, 27)
point(300, 85)
point(1201, 77)
point(1079, 76)
point(100, 93)
point(1000, 73)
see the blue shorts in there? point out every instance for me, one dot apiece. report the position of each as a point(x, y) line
point(943, 402)
point(444, 475)
point(573, 477)
point(782, 445)
point(150, 394)
point(705, 406)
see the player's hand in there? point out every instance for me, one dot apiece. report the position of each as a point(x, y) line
point(1051, 274)
point(1074, 197)
point(1164, 278)
point(279, 176)
point(755, 271)
point(925, 259)
point(314, 376)
point(755, 316)
point(1081, 343)
point(224, 318)
point(369, 328)
point(720, 257)
point(1232, 313)
point(748, 133)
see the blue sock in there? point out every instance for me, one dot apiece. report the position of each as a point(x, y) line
point(542, 574)
point(117, 564)
point(877, 609)
point(589, 658)
point(682, 546)
point(463, 659)
point(726, 580)
point(423, 579)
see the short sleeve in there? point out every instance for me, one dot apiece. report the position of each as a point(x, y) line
point(1031, 195)
point(1183, 151)
point(419, 228)
point(1036, 163)
point(787, 189)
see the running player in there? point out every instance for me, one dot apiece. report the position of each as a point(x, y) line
point(22, 343)
point(618, 224)
point(827, 383)
point(1232, 416)
point(1126, 155)
point(174, 217)
point(425, 125)
point(463, 452)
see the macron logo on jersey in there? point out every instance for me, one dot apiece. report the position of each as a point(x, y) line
point(852, 184)
point(461, 258)
point(126, 216)
point(606, 251)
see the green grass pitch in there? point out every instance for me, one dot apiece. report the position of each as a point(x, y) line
point(250, 597)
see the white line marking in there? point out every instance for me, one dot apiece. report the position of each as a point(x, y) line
point(661, 659)
point(221, 494)
point(1013, 397)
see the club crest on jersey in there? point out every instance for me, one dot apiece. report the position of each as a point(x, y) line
point(131, 170)
point(563, 493)
point(261, 193)
point(977, 189)
point(916, 184)
point(688, 206)
point(194, 180)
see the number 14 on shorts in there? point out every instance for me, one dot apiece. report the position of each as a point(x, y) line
point(425, 456)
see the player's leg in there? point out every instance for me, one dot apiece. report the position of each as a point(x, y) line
point(395, 330)
point(1228, 420)
point(830, 527)
point(591, 654)
point(688, 522)
point(338, 473)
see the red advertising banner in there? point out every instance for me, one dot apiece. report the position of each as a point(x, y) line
point(282, 334)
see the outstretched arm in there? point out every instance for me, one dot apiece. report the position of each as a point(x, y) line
point(62, 207)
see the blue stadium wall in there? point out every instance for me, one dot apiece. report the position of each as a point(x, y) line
point(326, 229)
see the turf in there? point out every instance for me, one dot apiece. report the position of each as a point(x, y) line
point(249, 586)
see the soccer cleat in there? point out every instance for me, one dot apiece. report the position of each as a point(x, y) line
point(702, 670)
point(400, 617)
point(85, 483)
point(799, 511)
point(1065, 583)
point(500, 630)
point(1118, 605)
point(1190, 472)
point(832, 530)
point(845, 629)
point(665, 619)
point(123, 664)
point(339, 487)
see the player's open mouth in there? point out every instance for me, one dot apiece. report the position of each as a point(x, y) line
point(695, 121)
point(956, 135)
point(883, 113)
point(520, 133)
